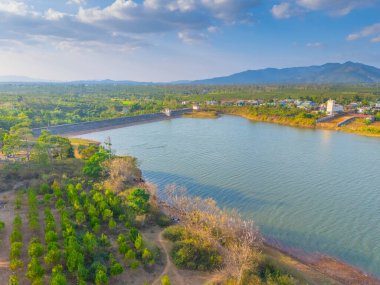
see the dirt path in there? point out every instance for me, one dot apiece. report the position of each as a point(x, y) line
point(169, 268)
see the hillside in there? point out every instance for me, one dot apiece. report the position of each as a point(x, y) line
point(329, 73)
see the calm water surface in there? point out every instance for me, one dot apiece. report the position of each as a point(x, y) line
point(315, 190)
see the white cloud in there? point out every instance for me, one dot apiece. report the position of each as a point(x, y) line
point(121, 25)
point(213, 29)
point(120, 9)
point(76, 2)
point(372, 31)
point(336, 7)
point(314, 45)
point(292, 8)
point(53, 15)
point(13, 7)
point(283, 11)
point(189, 37)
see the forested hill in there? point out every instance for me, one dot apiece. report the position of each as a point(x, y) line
point(346, 73)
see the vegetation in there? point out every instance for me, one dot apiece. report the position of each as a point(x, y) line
point(282, 115)
point(80, 213)
point(52, 104)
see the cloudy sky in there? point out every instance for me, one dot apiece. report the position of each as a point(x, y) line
point(164, 40)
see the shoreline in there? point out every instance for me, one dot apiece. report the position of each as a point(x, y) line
point(318, 265)
point(313, 268)
point(315, 127)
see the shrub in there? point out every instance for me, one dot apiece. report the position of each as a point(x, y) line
point(104, 240)
point(13, 280)
point(44, 188)
point(60, 204)
point(138, 242)
point(165, 280)
point(174, 233)
point(18, 201)
point(17, 222)
point(111, 224)
point(107, 214)
point(16, 236)
point(138, 200)
point(116, 269)
point(35, 249)
point(35, 269)
point(52, 256)
point(47, 199)
point(51, 236)
point(163, 220)
point(80, 217)
point(16, 249)
point(196, 255)
point(123, 248)
point(135, 264)
point(2, 225)
point(82, 272)
point(101, 276)
point(121, 239)
point(147, 256)
point(38, 281)
point(130, 255)
point(57, 277)
point(56, 189)
point(15, 264)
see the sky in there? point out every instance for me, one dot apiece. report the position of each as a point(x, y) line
point(168, 40)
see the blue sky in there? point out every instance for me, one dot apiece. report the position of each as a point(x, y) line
point(165, 40)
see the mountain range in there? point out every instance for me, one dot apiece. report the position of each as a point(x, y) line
point(329, 73)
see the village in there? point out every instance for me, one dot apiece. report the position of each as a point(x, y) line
point(329, 110)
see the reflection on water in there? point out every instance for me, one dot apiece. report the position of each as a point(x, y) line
point(317, 190)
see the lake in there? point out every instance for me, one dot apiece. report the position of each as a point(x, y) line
point(317, 190)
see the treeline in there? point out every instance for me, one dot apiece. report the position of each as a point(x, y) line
point(278, 114)
point(53, 104)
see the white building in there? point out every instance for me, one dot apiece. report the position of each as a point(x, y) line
point(168, 112)
point(333, 108)
point(212, 103)
point(196, 107)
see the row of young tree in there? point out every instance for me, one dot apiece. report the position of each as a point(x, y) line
point(79, 250)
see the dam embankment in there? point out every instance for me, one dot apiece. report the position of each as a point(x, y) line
point(85, 127)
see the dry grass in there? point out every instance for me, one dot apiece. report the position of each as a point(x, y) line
point(202, 115)
point(85, 142)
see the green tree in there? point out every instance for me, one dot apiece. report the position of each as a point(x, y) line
point(59, 147)
point(35, 269)
point(116, 269)
point(138, 242)
point(138, 200)
point(80, 217)
point(13, 280)
point(101, 276)
point(93, 167)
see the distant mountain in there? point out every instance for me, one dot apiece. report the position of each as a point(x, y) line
point(15, 78)
point(333, 73)
point(329, 73)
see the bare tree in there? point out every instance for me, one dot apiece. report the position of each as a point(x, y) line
point(238, 240)
point(121, 172)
